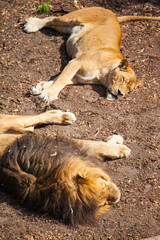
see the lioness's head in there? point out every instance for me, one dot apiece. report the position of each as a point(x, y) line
point(121, 80)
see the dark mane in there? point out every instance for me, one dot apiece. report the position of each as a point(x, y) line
point(36, 171)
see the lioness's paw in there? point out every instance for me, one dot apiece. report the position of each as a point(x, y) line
point(48, 96)
point(115, 139)
point(40, 87)
point(68, 118)
point(33, 24)
point(45, 91)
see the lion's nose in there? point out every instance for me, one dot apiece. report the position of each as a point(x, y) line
point(114, 195)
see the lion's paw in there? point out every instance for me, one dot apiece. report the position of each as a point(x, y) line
point(68, 118)
point(124, 151)
point(57, 116)
point(115, 139)
point(114, 151)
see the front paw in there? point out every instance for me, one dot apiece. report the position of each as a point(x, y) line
point(36, 90)
point(45, 91)
point(114, 151)
point(57, 117)
point(68, 118)
point(48, 95)
point(124, 151)
point(115, 139)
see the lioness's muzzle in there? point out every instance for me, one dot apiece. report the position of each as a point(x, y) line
point(110, 96)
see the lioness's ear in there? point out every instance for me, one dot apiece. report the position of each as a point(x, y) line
point(124, 64)
point(134, 84)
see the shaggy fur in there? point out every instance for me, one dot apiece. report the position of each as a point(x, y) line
point(53, 175)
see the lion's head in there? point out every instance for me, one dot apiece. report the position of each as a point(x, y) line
point(83, 192)
point(95, 193)
point(121, 80)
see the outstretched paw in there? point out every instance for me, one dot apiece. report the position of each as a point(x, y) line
point(57, 117)
point(45, 91)
point(119, 149)
point(115, 139)
point(114, 151)
point(33, 24)
point(36, 90)
point(68, 118)
point(124, 151)
point(48, 95)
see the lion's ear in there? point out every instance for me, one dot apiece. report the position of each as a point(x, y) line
point(139, 81)
point(81, 178)
point(124, 64)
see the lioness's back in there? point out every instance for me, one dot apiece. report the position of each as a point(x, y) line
point(90, 15)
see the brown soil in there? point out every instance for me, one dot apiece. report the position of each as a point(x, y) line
point(26, 59)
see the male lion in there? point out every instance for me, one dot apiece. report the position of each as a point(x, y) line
point(54, 174)
point(94, 44)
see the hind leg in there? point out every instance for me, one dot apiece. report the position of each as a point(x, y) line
point(63, 24)
point(34, 24)
point(67, 22)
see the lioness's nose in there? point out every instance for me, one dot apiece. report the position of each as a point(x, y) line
point(120, 93)
point(114, 195)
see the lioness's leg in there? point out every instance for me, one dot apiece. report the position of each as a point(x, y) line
point(34, 24)
point(49, 90)
point(66, 22)
point(63, 24)
point(113, 148)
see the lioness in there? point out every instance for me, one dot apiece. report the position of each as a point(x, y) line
point(53, 174)
point(94, 44)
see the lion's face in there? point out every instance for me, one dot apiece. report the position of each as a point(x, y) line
point(121, 80)
point(96, 187)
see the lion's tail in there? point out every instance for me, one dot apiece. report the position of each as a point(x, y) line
point(136, 18)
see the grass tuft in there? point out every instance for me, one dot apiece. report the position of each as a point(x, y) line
point(1, 25)
point(44, 8)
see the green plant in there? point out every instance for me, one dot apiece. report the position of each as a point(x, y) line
point(1, 24)
point(44, 8)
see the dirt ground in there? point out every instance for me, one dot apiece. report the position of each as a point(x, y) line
point(26, 59)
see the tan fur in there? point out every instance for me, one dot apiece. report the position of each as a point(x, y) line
point(55, 176)
point(94, 44)
point(13, 126)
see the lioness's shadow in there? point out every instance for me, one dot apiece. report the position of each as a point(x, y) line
point(62, 50)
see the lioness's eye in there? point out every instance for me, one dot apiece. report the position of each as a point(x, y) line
point(123, 79)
